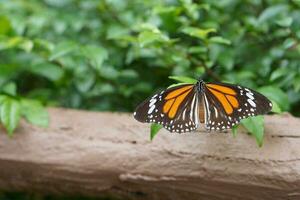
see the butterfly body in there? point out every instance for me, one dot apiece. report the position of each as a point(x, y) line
point(219, 106)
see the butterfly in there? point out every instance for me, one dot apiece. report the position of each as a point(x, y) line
point(219, 106)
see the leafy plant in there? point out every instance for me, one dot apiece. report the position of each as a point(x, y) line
point(154, 130)
point(90, 54)
point(13, 107)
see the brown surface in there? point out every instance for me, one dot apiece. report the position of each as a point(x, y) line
point(97, 154)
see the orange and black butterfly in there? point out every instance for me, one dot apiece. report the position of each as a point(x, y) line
point(219, 106)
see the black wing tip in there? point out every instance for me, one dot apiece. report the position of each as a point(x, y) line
point(139, 116)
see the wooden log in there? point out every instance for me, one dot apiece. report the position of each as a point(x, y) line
point(97, 154)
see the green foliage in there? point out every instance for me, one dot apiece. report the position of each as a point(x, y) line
point(10, 114)
point(13, 107)
point(183, 79)
point(234, 130)
point(112, 54)
point(255, 125)
point(154, 130)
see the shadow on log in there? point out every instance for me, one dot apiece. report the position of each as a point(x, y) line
point(98, 154)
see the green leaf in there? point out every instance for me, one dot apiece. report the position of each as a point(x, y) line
point(10, 88)
point(289, 42)
point(197, 32)
point(271, 13)
point(5, 26)
point(285, 22)
point(47, 70)
point(10, 113)
point(275, 107)
point(197, 50)
point(219, 40)
point(129, 74)
point(109, 72)
point(255, 125)
point(277, 95)
point(95, 55)
point(235, 130)
point(2, 99)
point(44, 44)
point(16, 42)
point(116, 32)
point(26, 45)
point(34, 112)
point(154, 130)
point(183, 79)
point(149, 37)
point(282, 71)
point(85, 80)
point(62, 49)
point(296, 83)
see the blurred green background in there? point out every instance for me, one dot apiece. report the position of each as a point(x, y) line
point(109, 55)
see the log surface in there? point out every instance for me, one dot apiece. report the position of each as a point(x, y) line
point(96, 154)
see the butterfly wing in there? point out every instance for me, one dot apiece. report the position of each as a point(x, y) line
point(228, 104)
point(175, 108)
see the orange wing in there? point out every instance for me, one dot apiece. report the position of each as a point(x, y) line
point(174, 99)
point(225, 95)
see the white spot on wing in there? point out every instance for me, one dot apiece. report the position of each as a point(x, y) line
point(151, 109)
point(251, 102)
point(250, 95)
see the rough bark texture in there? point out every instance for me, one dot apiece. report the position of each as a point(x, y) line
point(98, 154)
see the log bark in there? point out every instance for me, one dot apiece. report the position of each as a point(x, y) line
point(97, 154)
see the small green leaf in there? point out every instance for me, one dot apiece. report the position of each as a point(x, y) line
point(109, 72)
point(285, 22)
point(85, 80)
point(149, 37)
point(296, 83)
point(219, 40)
point(16, 42)
point(278, 73)
point(289, 42)
point(5, 25)
point(154, 130)
point(255, 125)
point(234, 130)
point(183, 79)
point(34, 112)
point(10, 88)
point(95, 55)
point(44, 44)
point(271, 12)
point(129, 74)
point(26, 45)
point(275, 108)
point(10, 113)
point(2, 99)
point(47, 70)
point(197, 50)
point(197, 32)
point(62, 49)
